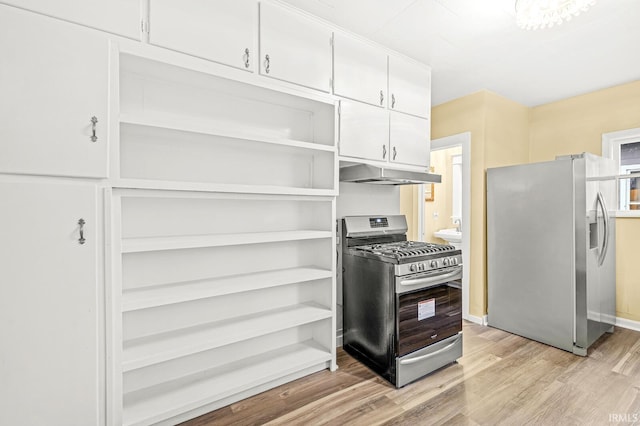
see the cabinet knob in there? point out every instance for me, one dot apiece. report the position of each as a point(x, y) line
point(94, 121)
point(384, 152)
point(395, 153)
point(381, 97)
point(393, 100)
point(81, 223)
point(246, 57)
point(266, 63)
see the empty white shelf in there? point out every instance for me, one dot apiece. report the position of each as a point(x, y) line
point(150, 297)
point(134, 183)
point(135, 245)
point(216, 129)
point(170, 399)
point(156, 349)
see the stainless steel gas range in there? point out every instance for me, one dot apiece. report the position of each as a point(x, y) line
point(402, 300)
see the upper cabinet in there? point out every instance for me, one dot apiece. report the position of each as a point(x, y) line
point(54, 85)
point(409, 139)
point(120, 17)
point(221, 31)
point(294, 48)
point(370, 133)
point(409, 87)
point(360, 71)
point(364, 131)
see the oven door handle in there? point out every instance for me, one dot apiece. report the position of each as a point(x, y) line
point(437, 279)
point(423, 357)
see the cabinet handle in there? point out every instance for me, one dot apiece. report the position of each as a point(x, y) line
point(246, 57)
point(384, 152)
point(267, 61)
point(393, 100)
point(94, 121)
point(394, 152)
point(381, 97)
point(81, 223)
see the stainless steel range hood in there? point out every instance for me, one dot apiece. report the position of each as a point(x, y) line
point(365, 173)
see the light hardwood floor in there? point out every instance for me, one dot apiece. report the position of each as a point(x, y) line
point(501, 379)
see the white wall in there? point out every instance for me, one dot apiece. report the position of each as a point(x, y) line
point(367, 199)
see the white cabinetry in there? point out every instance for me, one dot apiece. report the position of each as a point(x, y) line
point(364, 131)
point(54, 82)
point(224, 241)
point(50, 310)
point(362, 73)
point(360, 70)
point(409, 139)
point(221, 31)
point(121, 17)
point(294, 48)
point(371, 133)
point(409, 87)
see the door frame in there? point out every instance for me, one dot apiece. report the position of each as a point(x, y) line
point(462, 140)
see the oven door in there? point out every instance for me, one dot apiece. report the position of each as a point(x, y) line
point(429, 308)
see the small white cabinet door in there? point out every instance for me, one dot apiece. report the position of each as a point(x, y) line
point(53, 81)
point(294, 48)
point(49, 314)
point(221, 30)
point(409, 139)
point(364, 131)
point(409, 87)
point(360, 71)
point(121, 17)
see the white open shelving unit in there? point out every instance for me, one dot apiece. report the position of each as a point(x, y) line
point(222, 218)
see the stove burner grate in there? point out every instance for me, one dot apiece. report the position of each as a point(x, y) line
point(405, 249)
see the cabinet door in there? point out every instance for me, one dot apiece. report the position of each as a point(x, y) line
point(364, 131)
point(53, 80)
point(221, 30)
point(294, 48)
point(360, 71)
point(115, 16)
point(409, 87)
point(410, 139)
point(49, 327)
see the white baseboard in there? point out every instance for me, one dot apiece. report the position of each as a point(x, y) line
point(478, 320)
point(627, 323)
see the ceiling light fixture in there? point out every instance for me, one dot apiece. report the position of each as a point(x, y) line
point(534, 14)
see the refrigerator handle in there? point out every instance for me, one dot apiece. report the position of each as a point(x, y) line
point(605, 237)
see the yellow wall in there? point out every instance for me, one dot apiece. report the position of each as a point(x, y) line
point(499, 136)
point(576, 125)
point(409, 207)
point(504, 132)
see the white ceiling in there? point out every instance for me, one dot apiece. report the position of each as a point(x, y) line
point(475, 44)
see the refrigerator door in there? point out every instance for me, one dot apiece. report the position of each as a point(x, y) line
point(595, 285)
point(530, 251)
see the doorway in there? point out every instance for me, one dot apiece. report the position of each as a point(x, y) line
point(422, 197)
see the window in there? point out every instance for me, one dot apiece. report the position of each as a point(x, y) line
point(624, 148)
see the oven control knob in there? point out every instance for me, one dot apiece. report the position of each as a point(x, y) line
point(412, 268)
point(445, 262)
point(434, 263)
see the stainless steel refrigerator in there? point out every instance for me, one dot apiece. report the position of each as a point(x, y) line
point(551, 250)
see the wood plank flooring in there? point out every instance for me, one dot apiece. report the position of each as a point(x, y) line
point(502, 379)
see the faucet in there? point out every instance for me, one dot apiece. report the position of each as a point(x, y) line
point(458, 222)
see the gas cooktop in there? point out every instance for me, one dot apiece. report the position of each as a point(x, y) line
point(405, 250)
